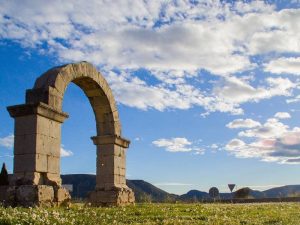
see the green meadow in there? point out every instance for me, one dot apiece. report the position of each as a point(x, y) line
point(266, 213)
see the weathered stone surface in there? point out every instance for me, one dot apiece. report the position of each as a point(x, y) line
point(117, 197)
point(36, 179)
point(111, 139)
point(52, 179)
point(24, 163)
point(21, 178)
point(62, 196)
point(37, 195)
point(40, 108)
point(29, 195)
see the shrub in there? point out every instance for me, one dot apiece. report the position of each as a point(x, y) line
point(242, 193)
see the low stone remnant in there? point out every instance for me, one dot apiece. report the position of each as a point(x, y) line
point(36, 178)
point(118, 197)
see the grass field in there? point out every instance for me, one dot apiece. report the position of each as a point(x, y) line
point(273, 213)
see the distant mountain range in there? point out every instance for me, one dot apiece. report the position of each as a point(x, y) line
point(146, 192)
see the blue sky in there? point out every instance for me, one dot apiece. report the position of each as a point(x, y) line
point(208, 93)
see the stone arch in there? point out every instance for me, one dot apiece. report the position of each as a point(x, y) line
point(38, 138)
point(51, 86)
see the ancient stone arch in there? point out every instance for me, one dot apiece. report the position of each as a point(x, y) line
point(36, 179)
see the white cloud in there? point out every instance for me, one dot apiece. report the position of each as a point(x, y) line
point(237, 91)
point(64, 152)
point(173, 40)
point(243, 123)
point(134, 92)
point(174, 144)
point(272, 141)
point(272, 128)
point(284, 65)
point(178, 144)
point(235, 144)
point(227, 95)
point(8, 141)
point(282, 115)
point(214, 146)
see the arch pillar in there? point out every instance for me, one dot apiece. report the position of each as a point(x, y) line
point(36, 178)
point(111, 188)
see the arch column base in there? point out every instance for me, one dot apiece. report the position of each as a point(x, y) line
point(37, 195)
point(120, 197)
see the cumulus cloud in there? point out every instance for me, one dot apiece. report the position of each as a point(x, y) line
point(174, 144)
point(64, 152)
point(8, 141)
point(177, 144)
point(271, 128)
point(243, 123)
point(134, 92)
point(227, 96)
point(282, 115)
point(175, 41)
point(272, 141)
point(236, 91)
point(284, 65)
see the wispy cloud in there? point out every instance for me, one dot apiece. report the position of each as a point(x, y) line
point(8, 141)
point(6, 156)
